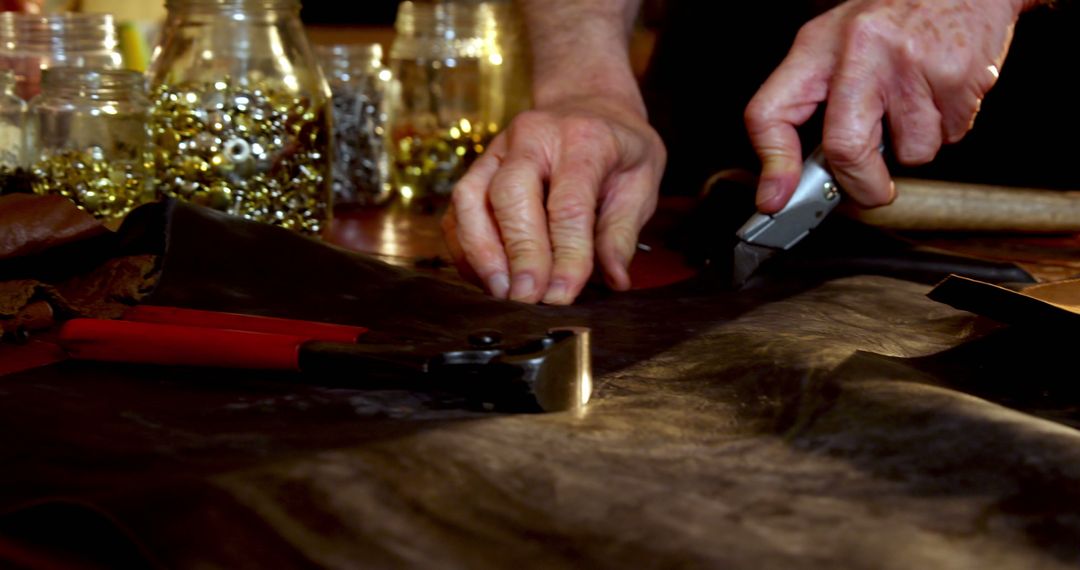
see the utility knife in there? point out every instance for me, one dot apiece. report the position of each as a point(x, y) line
point(765, 235)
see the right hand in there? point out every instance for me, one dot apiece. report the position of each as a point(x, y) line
point(558, 183)
point(924, 67)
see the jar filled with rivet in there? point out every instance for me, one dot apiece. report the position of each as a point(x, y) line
point(13, 176)
point(236, 80)
point(89, 140)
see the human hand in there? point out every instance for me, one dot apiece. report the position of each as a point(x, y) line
point(557, 183)
point(925, 65)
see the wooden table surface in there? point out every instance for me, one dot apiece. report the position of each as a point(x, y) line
point(853, 424)
point(412, 239)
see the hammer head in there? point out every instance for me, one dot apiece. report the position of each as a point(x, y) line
point(550, 374)
point(559, 375)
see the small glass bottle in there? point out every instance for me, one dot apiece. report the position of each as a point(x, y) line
point(88, 140)
point(358, 82)
point(447, 96)
point(32, 43)
point(12, 136)
point(241, 120)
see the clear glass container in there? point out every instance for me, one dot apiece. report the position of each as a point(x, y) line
point(87, 139)
point(512, 39)
point(241, 119)
point(31, 43)
point(447, 97)
point(358, 82)
point(12, 131)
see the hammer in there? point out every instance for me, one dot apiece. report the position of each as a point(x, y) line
point(549, 373)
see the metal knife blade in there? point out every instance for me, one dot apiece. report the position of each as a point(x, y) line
point(748, 258)
point(764, 235)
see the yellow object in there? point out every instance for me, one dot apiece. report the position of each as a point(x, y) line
point(133, 47)
point(138, 21)
point(127, 10)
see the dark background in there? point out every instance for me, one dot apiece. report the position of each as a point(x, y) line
point(363, 12)
point(381, 12)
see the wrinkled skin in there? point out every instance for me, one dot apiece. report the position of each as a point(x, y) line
point(602, 167)
point(572, 180)
point(922, 65)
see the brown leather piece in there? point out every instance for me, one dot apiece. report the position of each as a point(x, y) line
point(1055, 304)
point(1062, 294)
point(16, 295)
point(110, 289)
point(31, 224)
point(104, 292)
point(1047, 258)
point(43, 240)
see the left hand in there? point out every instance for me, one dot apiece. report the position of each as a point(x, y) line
point(565, 186)
point(924, 65)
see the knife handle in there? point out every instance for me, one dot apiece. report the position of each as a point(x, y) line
point(234, 321)
point(178, 345)
point(815, 196)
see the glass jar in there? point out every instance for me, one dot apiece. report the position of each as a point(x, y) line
point(512, 39)
point(241, 120)
point(88, 140)
point(447, 96)
point(31, 43)
point(12, 134)
point(358, 82)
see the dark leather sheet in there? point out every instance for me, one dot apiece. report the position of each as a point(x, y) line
point(854, 423)
point(1054, 305)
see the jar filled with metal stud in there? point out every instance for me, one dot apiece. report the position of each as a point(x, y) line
point(32, 43)
point(447, 98)
point(358, 82)
point(88, 141)
point(13, 177)
point(241, 119)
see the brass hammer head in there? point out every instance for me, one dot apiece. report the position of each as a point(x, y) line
point(561, 376)
point(550, 374)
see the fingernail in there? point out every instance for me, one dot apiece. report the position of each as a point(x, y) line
point(557, 294)
point(524, 287)
point(499, 285)
point(767, 192)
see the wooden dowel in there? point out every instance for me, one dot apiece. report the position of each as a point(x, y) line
point(953, 206)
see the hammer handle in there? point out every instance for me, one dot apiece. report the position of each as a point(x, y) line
point(954, 206)
point(179, 345)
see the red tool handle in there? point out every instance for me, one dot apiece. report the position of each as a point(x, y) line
point(177, 345)
point(215, 320)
